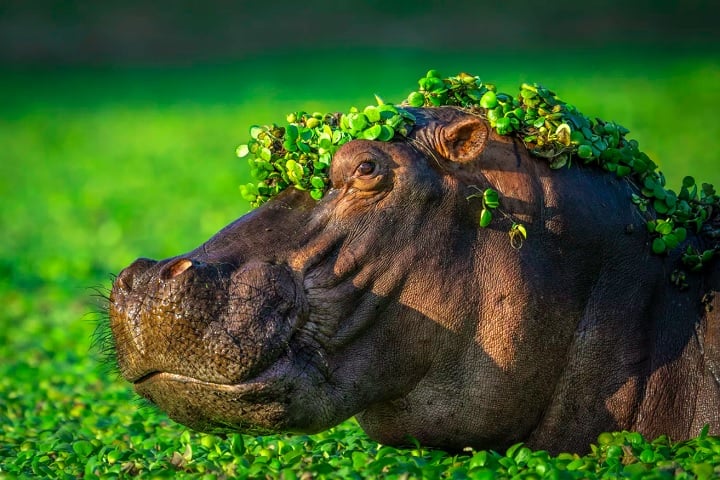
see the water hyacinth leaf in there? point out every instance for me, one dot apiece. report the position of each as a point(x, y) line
point(660, 206)
point(707, 255)
point(416, 99)
point(559, 162)
point(82, 447)
point(358, 122)
point(491, 198)
point(290, 146)
point(338, 138)
point(249, 192)
point(659, 192)
point(436, 101)
point(658, 246)
point(372, 133)
point(503, 126)
point(255, 131)
point(317, 182)
point(325, 141)
point(485, 217)
point(623, 171)
point(292, 132)
point(372, 113)
point(671, 241)
point(305, 134)
point(294, 171)
point(242, 151)
point(386, 133)
point(585, 152)
point(266, 154)
point(489, 100)
point(474, 94)
point(663, 227)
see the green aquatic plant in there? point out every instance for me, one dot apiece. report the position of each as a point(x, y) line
point(299, 153)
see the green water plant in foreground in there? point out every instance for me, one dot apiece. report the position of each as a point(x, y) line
point(299, 153)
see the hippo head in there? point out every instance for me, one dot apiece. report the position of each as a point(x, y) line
point(386, 300)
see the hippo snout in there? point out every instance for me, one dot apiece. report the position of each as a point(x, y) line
point(183, 321)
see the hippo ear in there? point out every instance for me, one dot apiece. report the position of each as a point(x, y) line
point(463, 140)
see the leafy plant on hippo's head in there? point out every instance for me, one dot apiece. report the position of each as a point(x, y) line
point(299, 154)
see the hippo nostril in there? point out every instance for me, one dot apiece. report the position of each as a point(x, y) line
point(126, 279)
point(175, 268)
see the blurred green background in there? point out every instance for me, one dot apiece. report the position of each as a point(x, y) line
point(119, 122)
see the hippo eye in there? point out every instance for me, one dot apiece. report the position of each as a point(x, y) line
point(366, 168)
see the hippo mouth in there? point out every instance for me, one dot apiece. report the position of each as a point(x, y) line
point(208, 344)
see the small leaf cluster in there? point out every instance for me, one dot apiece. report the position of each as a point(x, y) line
point(463, 90)
point(688, 210)
point(299, 153)
point(490, 201)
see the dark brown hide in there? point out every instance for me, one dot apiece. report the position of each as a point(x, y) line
point(386, 301)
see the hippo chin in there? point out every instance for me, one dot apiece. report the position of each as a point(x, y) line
point(386, 301)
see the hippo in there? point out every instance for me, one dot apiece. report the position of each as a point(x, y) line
point(386, 301)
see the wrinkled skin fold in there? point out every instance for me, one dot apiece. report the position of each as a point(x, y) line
point(386, 301)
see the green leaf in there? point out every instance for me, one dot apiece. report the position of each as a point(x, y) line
point(503, 126)
point(491, 198)
point(266, 154)
point(623, 171)
point(294, 171)
point(416, 99)
point(358, 122)
point(584, 152)
point(292, 132)
point(485, 217)
point(255, 131)
point(663, 227)
point(489, 100)
point(681, 234)
point(242, 151)
point(386, 133)
point(707, 255)
point(372, 133)
point(83, 448)
point(317, 182)
point(659, 192)
point(660, 206)
point(433, 74)
point(372, 113)
point(520, 228)
point(671, 241)
point(249, 192)
point(658, 246)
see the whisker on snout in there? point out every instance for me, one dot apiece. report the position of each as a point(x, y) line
point(103, 342)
